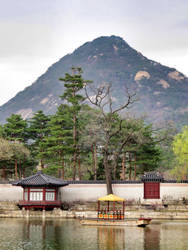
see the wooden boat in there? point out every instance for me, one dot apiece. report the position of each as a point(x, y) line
point(141, 222)
point(113, 216)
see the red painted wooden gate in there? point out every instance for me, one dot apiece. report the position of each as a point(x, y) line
point(152, 190)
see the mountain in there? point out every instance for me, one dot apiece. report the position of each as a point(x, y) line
point(162, 91)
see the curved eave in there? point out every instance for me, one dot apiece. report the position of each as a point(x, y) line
point(40, 185)
point(40, 180)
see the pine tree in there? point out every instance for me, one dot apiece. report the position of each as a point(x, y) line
point(37, 131)
point(73, 84)
point(15, 128)
point(58, 143)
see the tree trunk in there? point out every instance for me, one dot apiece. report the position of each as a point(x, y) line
point(107, 175)
point(130, 167)
point(74, 166)
point(95, 161)
point(59, 173)
point(123, 166)
point(116, 156)
point(63, 169)
point(23, 173)
point(23, 168)
point(4, 174)
point(19, 169)
point(16, 169)
point(75, 153)
point(41, 164)
point(135, 166)
point(79, 168)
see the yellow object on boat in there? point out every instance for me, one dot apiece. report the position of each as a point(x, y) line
point(111, 197)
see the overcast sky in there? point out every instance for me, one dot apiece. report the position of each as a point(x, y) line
point(35, 34)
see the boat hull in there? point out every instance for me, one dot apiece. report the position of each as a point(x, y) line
point(138, 223)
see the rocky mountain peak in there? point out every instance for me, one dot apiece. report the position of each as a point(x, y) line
point(162, 91)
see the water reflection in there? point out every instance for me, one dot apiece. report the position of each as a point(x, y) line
point(110, 238)
point(19, 234)
point(45, 234)
point(151, 238)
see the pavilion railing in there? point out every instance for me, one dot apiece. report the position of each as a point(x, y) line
point(111, 215)
point(39, 203)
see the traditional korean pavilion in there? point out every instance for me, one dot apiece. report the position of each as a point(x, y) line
point(40, 191)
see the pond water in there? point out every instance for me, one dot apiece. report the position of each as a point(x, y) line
point(17, 234)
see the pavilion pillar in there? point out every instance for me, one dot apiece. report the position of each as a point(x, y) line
point(29, 194)
point(123, 209)
point(44, 194)
point(56, 193)
point(98, 206)
point(113, 210)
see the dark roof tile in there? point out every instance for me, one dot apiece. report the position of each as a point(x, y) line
point(40, 179)
point(152, 176)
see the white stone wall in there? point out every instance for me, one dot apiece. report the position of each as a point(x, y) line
point(78, 192)
point(10, 193)
point(91, 192)
point(82, 192)
point(173, 191)
point(134, 192)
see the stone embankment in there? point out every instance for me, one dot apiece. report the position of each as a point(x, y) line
point(11, 210)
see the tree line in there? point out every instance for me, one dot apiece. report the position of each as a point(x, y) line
point(89, 137)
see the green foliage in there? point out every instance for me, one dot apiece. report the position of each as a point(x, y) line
point(180, 148)
point(149, 157)
point(136, 138)
point(76, 139)
point(165, 139)
point(37, 130)
point(15, 128)
point(6, 152)
point(1, 131)
point(73, 84)
point(180, 145)
point(90, 127)
point(52, 169)
point(20, 152)
point(58, 143)
point(11, 153)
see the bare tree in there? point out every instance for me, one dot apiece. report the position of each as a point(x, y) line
point(111, 123)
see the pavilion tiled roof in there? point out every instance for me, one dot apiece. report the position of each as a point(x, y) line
point(40, 179)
